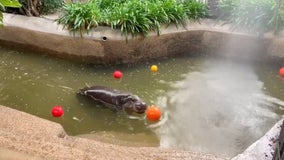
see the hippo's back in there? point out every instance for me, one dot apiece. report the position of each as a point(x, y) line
point(103, 94)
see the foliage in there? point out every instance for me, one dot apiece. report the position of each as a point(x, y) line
point(108, 4)
point(138, 16)
point(157, 15)
point(37, 7)
point(175, 11)
point(256, 16)
point(50, 6)
point(80, 17)
point(131, 16)
point(1, 15)
point(195, 10)
point(227, 6)
point(7, 3)
point(276, 23)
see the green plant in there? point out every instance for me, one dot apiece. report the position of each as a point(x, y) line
point(2, 7)
point(50, 6)
point(7, 3)
point(108, 4)
point(138, 16)
point(80, 17)
point(132, 17)
point(256, 16)
point(195, 10)
point(175, 11)
point(37, 7)
point(227, 6)
point(253, 14)
point(276, 23)
point(157, 15)
point(106, 8)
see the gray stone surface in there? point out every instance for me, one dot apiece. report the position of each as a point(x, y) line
point(262, 149)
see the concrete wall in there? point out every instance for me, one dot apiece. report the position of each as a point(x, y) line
point(102, 45)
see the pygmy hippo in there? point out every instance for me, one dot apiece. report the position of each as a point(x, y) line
point(115, 99)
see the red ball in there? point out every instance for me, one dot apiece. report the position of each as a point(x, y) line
point(281, 71)
point(57, 111)
point(117, 74)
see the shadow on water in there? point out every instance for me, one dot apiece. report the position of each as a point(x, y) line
point(208, 104)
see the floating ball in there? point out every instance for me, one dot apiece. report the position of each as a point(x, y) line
point(117, 74)
point(281, 71)
point(154, 68)
point(57, 111)
point(153, 113)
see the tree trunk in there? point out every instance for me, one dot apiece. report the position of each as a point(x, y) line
point(32, 7)
point(29, 8)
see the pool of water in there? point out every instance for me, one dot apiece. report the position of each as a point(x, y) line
point(209, 104)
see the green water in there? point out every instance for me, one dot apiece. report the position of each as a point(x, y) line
point(209, 104)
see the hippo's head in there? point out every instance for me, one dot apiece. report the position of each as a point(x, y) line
point(135, 104)
point(139, 107)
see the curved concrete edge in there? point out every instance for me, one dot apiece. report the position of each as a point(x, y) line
point(105, 46)
point(263, 148)
point(31, 137)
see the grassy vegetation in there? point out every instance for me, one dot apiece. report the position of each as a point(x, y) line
point(80, 17)
point(257, 16)
point(130, 16)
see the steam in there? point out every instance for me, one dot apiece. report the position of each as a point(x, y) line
point(220, 110)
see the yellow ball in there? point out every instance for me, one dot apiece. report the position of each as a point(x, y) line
point(154, 68)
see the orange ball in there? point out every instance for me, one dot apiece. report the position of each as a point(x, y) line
point(281, 71)
point(153, 113)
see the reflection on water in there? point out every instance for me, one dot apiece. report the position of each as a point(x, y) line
point(208, 105)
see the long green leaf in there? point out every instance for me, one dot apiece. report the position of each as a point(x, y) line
point(10, 3)
point(1, 19)
point(2, 8)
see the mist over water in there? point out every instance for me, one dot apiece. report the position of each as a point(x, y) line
point(221, 109)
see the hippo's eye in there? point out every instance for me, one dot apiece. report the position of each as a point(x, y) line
point(140, 106)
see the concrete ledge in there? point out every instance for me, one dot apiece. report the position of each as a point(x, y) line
point(264, 148)
point(102, 45)
point(35, 138)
